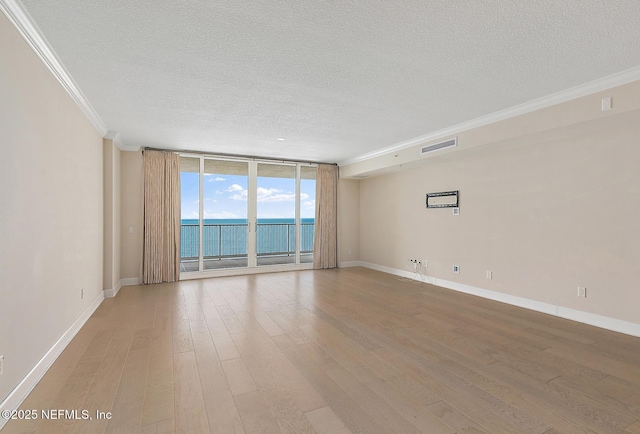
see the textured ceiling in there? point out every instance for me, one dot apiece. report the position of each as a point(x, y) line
point(336, 79)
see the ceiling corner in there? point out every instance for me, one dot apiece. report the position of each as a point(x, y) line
point(117, 139)
point(25, 25)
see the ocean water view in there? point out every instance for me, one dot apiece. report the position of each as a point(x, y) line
point(226, 238)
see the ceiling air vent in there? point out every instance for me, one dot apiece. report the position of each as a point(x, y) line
point(442, 145)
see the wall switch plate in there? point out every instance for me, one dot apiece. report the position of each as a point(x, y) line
point(1, 364)
point(130, 229)
point(606, 103)
point(456, 268)
point(582, 292)
point(425, 263)
point(456, 211)
point(489, 275)
point(82, 293)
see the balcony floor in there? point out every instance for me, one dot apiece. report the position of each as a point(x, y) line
point(191, 266)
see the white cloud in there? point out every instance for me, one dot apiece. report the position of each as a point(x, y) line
point(267, 191)
point(239, 192)
point(216, 179)
point(275, 195)
point(281, 197)
point(240, 196)
point(186, 215)
point(206, 199)
point(309, 204)
point(221, 215)
point(269, 194)
point(265, 194)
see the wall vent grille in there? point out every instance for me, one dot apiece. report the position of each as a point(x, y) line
point(437, 146)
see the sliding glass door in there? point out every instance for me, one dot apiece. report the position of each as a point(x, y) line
point(238, 214)
point(307, 212)
point(276, 214)
point(190, 214)
point(225, 218)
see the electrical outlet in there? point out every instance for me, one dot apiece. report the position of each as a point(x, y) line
point(1, 364)
point(582, 292)
point(456, 269)
point(425, 263)
point(489, 275)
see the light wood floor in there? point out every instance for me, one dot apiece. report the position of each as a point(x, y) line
point(335, 351)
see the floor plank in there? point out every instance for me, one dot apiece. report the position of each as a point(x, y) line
point(238, 377)
point(255, 414)
point(191, 413)
point(325, 421)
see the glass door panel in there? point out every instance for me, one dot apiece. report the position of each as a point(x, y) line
point(225, 214)
point(189, 214)
point(276, 214)
point(307, 212)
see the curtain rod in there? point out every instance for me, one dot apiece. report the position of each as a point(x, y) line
point(241, 157)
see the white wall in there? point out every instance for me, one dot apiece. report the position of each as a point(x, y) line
point(131, 215)
point(546, 210)
point(112, 208)
point(51, 217)
point(348, 220)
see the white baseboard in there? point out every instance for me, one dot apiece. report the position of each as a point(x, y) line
point(111, 292)
point(22, 390)
point(128, 281)
point(351, 264)
point(604, 322)
point(593, 319)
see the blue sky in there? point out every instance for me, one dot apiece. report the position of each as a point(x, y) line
point(225, 197)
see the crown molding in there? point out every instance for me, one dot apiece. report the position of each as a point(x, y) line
point(572, 93)
point(22, 21)
point(117, 139)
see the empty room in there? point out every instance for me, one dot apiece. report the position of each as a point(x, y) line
point(320, 217)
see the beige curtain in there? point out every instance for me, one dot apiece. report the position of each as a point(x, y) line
point(325, 241)
point(161, 255)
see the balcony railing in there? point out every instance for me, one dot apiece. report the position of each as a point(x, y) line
point(230, 240)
